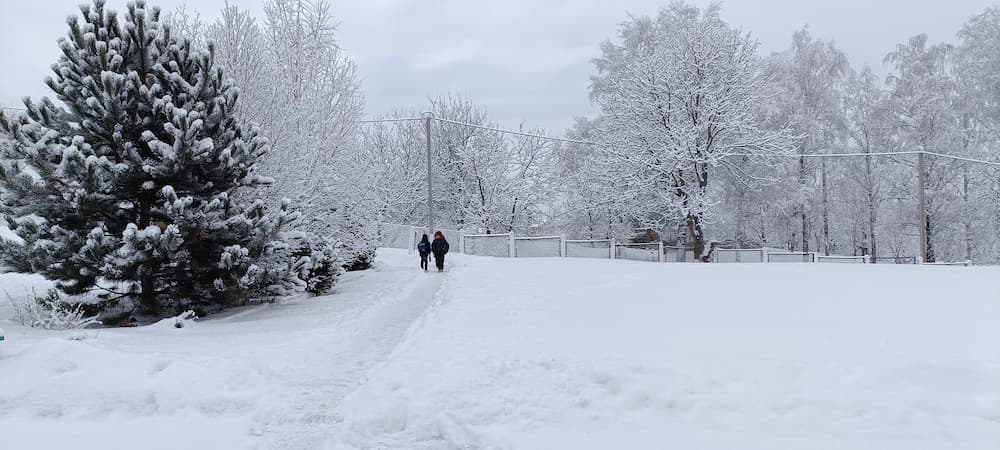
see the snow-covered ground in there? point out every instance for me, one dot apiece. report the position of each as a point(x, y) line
point(539, 354)
point(264, 377)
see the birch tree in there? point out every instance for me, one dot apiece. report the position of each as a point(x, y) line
point(812, 72)
point(866, 114)
point(922, 99)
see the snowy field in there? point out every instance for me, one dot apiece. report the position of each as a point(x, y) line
point(538, 354)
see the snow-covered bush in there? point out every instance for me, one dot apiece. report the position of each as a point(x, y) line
point(50, 312)
point(185, 319)
point(358, 239)
point(317, 261)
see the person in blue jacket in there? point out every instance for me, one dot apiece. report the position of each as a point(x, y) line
point(424, 248)
point(439, 248)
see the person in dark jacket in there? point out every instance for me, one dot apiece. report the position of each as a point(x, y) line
point(424, 248)
point(439, 248)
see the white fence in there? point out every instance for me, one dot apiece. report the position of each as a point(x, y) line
point(739, 255)
point(955, 263)
point(507, 245)
point(772, 255)
point(538, 247)
point(452, 236)
point(678, 254)
point(405, 237)
point(596, 248)
point(652, 251)
point(397, 236)
point(841, 259)
point(501, 245)
point(791, 257)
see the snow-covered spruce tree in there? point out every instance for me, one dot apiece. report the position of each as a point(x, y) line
point(678, 95)
point(130, 187)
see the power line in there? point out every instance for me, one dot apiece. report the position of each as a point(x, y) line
point(481, 127)
point(399, 119)
point(518, 133)
point(791, 155)
point(851, 155)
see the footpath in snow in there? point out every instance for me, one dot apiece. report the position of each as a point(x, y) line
point(539, 354)
point(268, 377)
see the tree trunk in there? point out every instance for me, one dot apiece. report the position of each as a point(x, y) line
point(147, 285)
point(590, 224)
point(968, 213)
point(696, 235)
point(872, 217)
point(802, 206)
point(930, 241)
point(826, 214)
point(513, 215)
point(741, 219)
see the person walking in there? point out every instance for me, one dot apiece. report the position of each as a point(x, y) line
point(424, 248)
point(439, 248)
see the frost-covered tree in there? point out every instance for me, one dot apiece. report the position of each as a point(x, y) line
point(582, 207)
point(811, 75)
point(397, 163)
point(129, 185)
point(678, 94)
point(304, 92)
point(977, 61)
point(868, 126)
point(485, 181)
point(922, 99)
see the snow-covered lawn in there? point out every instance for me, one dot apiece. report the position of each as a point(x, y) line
point(540, 354)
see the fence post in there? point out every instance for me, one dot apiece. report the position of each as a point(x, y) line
point(659, 254)
point(513, 246)
point(613, 253)
point(562, 246)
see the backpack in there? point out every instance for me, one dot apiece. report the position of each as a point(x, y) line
point(423, 247)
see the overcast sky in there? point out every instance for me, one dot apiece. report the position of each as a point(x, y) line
point(524, 60)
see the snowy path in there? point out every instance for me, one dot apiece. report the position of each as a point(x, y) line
point(268, 377)
point(328, 366)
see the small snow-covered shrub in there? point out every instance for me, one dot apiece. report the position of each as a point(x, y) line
point(51, 312)
point(316, 261)
point(358, 241)
point(362, 260)
point(184, 319)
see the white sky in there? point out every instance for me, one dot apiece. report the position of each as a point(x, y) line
point(525, 60)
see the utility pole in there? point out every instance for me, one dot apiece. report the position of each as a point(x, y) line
point(922, 205)
point(428, 117)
